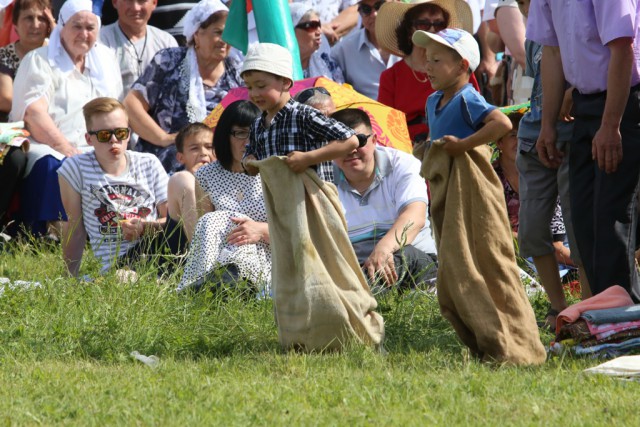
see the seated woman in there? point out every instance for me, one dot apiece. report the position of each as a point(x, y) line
point(405, 86)
point(33, 22)
point(315, 52)
point(51, 86)
point(232, 230)
point(182, 85)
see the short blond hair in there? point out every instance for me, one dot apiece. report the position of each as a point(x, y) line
point(103, 105)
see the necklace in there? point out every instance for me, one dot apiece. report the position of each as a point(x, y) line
point(409, 63)
point(144, 46)
point(423, 80)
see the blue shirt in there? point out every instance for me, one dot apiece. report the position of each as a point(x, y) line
point(460, 117)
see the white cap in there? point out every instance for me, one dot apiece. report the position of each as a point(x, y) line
point(453, 38)
point(269, 57)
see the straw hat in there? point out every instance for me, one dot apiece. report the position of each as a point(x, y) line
point(392, 13)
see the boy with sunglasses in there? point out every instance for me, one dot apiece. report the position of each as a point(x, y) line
point(113, 196)
point(360, 56)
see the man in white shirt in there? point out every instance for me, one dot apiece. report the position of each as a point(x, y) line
point(133, 41)
point(360, 56)
point(385, 202)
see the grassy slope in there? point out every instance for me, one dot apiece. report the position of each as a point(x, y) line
point(64, 358)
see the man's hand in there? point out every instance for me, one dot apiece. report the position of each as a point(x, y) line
point(249, 169)
point(567, 105)
point(297, 161)
point(330, 33)
point(549, 155)
point(381, 263)
point(606, 148)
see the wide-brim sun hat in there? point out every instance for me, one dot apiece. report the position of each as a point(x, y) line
point(391, 14)
point(270, 58)
point(453, 38)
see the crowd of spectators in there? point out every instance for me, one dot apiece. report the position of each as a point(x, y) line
point(117, 154)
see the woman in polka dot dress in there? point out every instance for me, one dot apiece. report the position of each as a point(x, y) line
point(232, 230)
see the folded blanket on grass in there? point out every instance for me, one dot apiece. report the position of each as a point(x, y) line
point(479, 288)
point(321, 298)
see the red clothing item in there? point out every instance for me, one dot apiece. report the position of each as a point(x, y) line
point(400, 89)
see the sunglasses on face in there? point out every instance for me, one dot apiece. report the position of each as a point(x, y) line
point(425, 25)
point(362, 139)
point(365, 9)
point(309, 26)
point(304, 95)
point(240, 134)
point(104, 135)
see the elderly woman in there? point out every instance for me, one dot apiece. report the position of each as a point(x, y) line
point(52, 85)
point(182, 85)
point(315, 52)
point(232, 231)
point(406, 86)
point(34, 23)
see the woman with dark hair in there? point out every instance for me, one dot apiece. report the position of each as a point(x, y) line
point(232, 230)
point(182, 85)
point(406, 86)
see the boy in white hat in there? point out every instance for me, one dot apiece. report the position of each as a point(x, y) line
point(287, 128)
point(453, 54)
point(479, 289)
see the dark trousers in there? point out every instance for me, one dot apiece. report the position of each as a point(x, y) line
point(10, 175)
point(603, 205)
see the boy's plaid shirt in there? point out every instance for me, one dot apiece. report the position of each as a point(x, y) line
point(296, 127)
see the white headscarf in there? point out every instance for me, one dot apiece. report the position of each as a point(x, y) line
point(198, 14)
point(298, 10)
point(58, 56)
point(197, 106)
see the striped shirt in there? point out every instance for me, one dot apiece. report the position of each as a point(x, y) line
point(296, 127)
point(108, 199)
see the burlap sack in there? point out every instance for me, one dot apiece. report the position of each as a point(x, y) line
point(320, 295)
point(479, 289)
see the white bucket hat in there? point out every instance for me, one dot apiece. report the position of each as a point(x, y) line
point(453, 38)
point(270, 58)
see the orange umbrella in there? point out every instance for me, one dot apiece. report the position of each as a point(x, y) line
point(388, 123)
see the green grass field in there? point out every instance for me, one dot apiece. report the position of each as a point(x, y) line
point(65, 359)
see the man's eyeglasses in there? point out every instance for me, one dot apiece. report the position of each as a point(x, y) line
point(362, 139)
point(425, 25)
point(104, 135)
point(304, 95)
point(365, 10)
point(309, 26)
point(240, 134)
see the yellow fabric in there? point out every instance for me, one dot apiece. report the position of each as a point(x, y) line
point(479, 288)
point(320, 295)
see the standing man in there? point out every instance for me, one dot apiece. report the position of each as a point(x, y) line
point(132, 40)
point(593, 45)
point(360, 56)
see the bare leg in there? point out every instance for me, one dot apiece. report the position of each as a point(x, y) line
point(547, 267)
